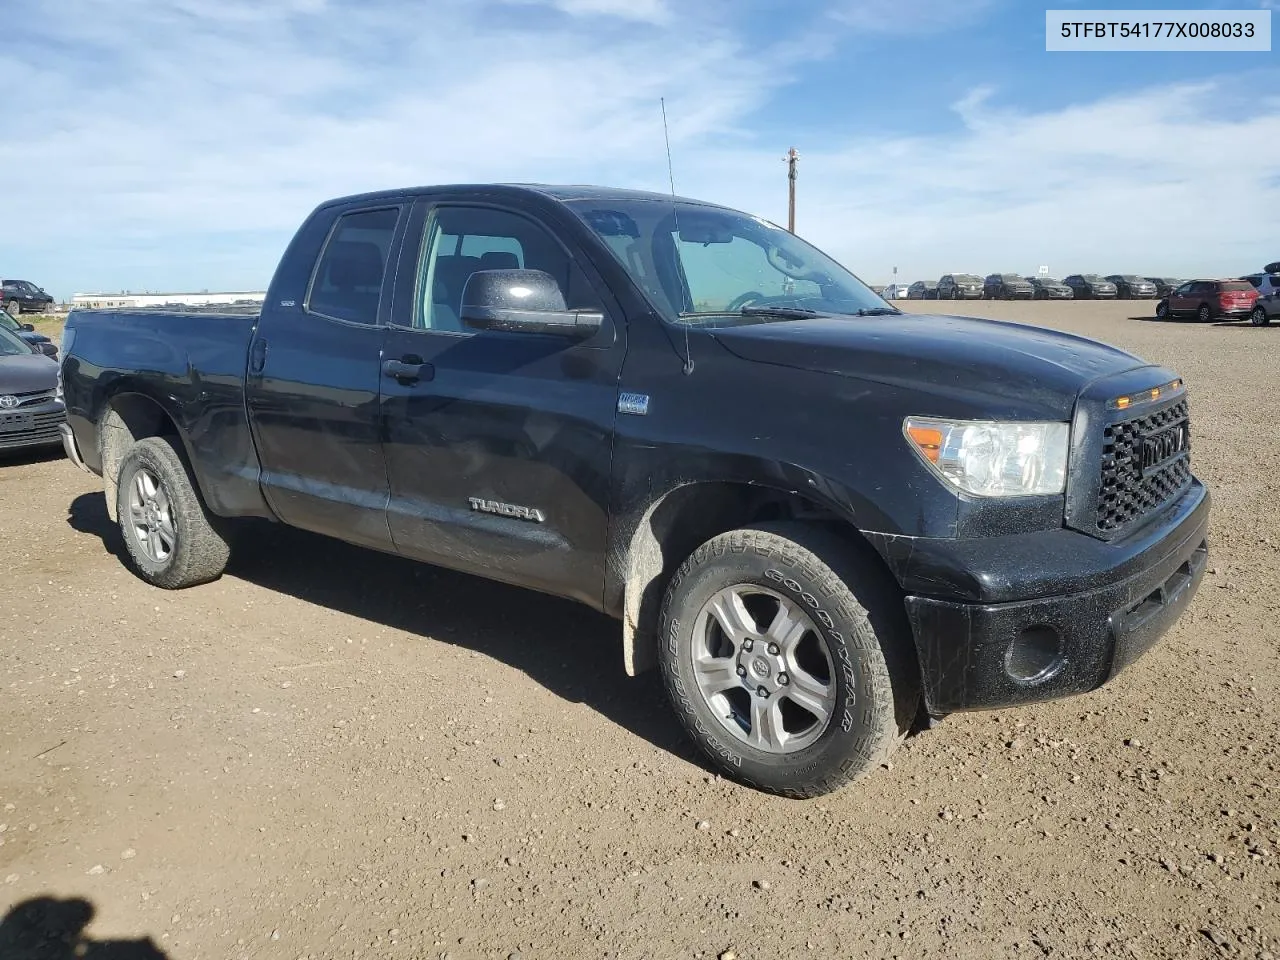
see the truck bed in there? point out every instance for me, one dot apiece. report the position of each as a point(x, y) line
point(187, 366)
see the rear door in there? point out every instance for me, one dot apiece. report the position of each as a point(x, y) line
point(315, 374)
point(499, 446)
point(1202, 292)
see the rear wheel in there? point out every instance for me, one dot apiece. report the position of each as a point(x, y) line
point(1204, 313)
point(788, 658)
point(1163, 312)
point(167, 531)
point(14, 308)
point(1259, 317)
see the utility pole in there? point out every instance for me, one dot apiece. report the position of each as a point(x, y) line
point(791, 159)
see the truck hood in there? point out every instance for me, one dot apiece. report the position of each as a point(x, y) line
point(27, 374)
point(991, 363)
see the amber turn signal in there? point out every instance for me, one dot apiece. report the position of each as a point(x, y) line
point(928, 440)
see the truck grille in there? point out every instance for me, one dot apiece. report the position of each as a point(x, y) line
point(1146, 462)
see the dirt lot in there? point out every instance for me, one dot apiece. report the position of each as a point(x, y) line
point(333, 753)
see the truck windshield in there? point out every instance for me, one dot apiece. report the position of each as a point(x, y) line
point(712, 266)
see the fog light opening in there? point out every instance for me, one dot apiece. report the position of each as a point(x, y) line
point(1035, 656)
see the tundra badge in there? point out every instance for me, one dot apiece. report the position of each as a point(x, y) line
point(506, 509)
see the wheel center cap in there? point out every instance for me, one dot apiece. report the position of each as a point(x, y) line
point(760, 667)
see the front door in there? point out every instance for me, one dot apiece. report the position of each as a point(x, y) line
point(498, 444)
point(1185, 299)
point(314, 380)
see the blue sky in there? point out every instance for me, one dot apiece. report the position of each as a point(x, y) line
point(176, 144)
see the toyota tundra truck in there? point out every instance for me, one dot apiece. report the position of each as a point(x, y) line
point(824, 520)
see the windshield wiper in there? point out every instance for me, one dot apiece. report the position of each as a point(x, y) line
point(877, 312)
point(788, 313)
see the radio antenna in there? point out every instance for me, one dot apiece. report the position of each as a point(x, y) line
point(675, 215)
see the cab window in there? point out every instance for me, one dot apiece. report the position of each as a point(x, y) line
point(347, 282)
point(459, 241)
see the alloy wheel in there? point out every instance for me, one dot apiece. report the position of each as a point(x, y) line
point(151, 516)
point(763, 669)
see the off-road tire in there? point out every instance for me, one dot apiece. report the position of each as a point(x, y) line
point(858, 613)
point(201, 551)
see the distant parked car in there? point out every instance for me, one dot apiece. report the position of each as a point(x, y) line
point(1007, 286)
point(31, 410)
point(959, 286)
point(1267, 307)
point(23, 296)
point(25, 331)
point(1209, 300)
point(1047, 288)
point(1132, 287)
point(1090, 286)
point(923, 290)
point(1166, 285)
point(895, 291)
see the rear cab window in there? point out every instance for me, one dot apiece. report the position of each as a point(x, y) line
point(351, 270)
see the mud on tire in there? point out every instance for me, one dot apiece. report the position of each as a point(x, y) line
point(197, 552)
point(856, 613)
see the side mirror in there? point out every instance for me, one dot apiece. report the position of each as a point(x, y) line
point(523, 301)
point(29, 327)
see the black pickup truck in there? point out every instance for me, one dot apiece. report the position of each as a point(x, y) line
point(823, 519)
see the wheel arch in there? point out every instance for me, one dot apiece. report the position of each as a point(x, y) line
point(673, 525)
point(129, 416)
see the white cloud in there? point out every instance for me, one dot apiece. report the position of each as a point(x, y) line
point(181, 141)
point(909, 16)
point(647, 11)
point(1169, 180)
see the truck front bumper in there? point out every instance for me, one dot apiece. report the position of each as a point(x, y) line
point(1087, 609)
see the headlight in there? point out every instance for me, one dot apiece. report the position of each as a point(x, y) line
point(989, 459)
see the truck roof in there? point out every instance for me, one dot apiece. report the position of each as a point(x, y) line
point(562, 192)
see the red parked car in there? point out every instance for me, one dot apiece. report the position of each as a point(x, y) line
point(1209, 300)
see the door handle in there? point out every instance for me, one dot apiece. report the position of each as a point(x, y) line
point(408, 370)
point(258, 355)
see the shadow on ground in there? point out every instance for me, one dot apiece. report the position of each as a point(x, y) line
point(45, 928)
point(1245, 324)
point(573, 651)
point(30, 455)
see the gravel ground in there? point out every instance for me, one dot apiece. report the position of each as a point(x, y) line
point(334, 753)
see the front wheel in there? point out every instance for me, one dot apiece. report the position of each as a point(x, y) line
point(1259, 317)
point(788, 658)
point(169, 536)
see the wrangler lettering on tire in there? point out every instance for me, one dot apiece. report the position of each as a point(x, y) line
point(788, 658)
